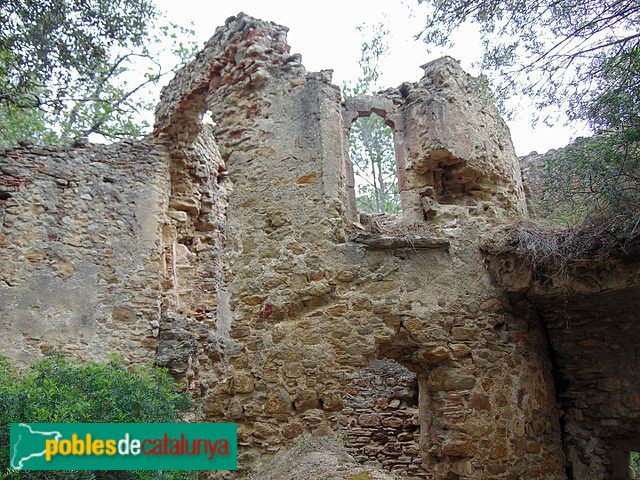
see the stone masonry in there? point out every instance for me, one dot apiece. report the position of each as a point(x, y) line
point(380, 421)
point(79, 241)
point(233, 254)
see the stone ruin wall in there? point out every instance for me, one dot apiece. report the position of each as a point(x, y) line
point(106, 248)
point(239, 263)
point(80, 250)
point(589, 308)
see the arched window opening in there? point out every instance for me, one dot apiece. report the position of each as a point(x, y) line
point(372, 154)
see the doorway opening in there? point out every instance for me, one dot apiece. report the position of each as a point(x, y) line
point(380, 421)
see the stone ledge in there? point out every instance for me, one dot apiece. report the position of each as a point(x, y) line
point(387, 242)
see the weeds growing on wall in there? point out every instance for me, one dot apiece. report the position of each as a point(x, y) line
point(634, 462)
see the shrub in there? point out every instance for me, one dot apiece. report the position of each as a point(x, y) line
point(634, 462)
point(57, 390)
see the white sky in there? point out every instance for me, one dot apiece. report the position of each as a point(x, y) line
point(325, 34)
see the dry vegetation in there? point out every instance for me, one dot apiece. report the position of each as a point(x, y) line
point(552, 250)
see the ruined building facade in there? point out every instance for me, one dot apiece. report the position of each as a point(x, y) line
point(232, 253)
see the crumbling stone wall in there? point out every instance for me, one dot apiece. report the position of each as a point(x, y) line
point(310, 307)
point(79, 246)
point(589, 310)
point(194, 312)
point(595, 352)
point(446, 161)
point(264, 296)
point(113, 249)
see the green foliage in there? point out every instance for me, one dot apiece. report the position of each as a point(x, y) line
point(583, 57)
point(71, 68)
point(303, 440)
point(57, 390)
point(371, 148)
point(597, 180)
point(634, 462)
point(548, 49)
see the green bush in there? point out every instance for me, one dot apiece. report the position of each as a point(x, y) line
point(57, 390)
point(634, 462)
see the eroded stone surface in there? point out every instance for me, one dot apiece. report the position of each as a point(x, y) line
point(453, 150)
point(310, 308)
point(317, 457)
point(235, 262)
point(79, 243)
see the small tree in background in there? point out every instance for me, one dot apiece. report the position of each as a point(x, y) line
point(371, 148)
point(372, 152)
point(73, 68)
point(59, 390)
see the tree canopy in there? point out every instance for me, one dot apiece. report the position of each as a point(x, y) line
point(582, 57)
point(71, 68)
point(551, 49)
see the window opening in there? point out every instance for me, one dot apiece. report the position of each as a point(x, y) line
point(373, 156)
